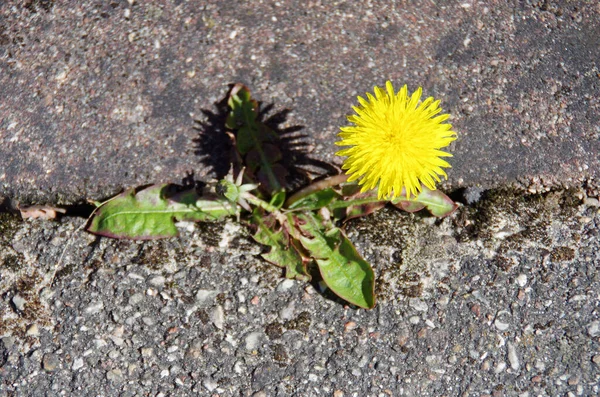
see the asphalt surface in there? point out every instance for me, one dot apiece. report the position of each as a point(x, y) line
point(499, 299)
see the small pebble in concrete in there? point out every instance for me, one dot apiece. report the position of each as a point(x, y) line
point(253, 340)
point(33, 330)
point(151, 292)
point(135, 276)
point(287, 313)
point(285, 285)
point(77, 364)
point(513, 358)
point(210, 384)
point(146, 351)
point(502, 320)
point(217, 317)
point(522, 280)
point(50, 362)
point(418, 304)
point(573, 380)
point(238, 367)
point(135, 299)
point(205, 297)
point(19, 302)
point(500, 367)
point(157, 281)
point(539, 365)
point(430, 324)
point(593, 328)
point(8, 342)
point(114, 375)
point(485, 366)
point(116, 340)
point(94, 307)
point(350, 325)
point(414, 320)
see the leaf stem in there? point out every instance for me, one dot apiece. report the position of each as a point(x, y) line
point(316, 186)
point(259, 203)
point(348, 203)
point(264, 205)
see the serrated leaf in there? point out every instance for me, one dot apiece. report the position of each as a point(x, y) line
point(151, 213)
point(252, 139)
point(284, 253)
point(316, 200)
point(435, 201)
point(344, 271)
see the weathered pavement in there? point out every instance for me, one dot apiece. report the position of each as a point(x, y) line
point(97, 96)
point(499, 299)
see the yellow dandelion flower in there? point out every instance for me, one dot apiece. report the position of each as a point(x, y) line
point(395, 142)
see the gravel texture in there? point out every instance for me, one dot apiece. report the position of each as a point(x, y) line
point(499, 299)
point(101, 95)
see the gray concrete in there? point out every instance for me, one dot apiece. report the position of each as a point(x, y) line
point(98, 95)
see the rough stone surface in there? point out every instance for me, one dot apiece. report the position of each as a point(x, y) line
point(222, 323)
point(98, 95)
point(500, 298)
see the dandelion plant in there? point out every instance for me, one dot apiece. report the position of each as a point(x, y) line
point(393, 155)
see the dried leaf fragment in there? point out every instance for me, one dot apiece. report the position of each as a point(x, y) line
point(41, 211)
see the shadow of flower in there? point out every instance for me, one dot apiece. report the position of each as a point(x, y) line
point(216, 150)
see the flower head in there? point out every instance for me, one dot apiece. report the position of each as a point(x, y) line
point(395, 142)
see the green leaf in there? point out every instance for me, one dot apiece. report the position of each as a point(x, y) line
point(252, 139)
point(285, 251)
point(435, 201)
point(344, 271)
point(316, 200)
point(358, 210)
point(151, 213)
point(355, 204)
point(278, 199)
point(360, 204)
point(410, 206)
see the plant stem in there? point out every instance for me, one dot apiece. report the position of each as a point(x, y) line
point(259, 203)
point(348, 203)
point(264, 205)
point(315, 187)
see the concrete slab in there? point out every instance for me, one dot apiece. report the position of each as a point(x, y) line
point(97, 95)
